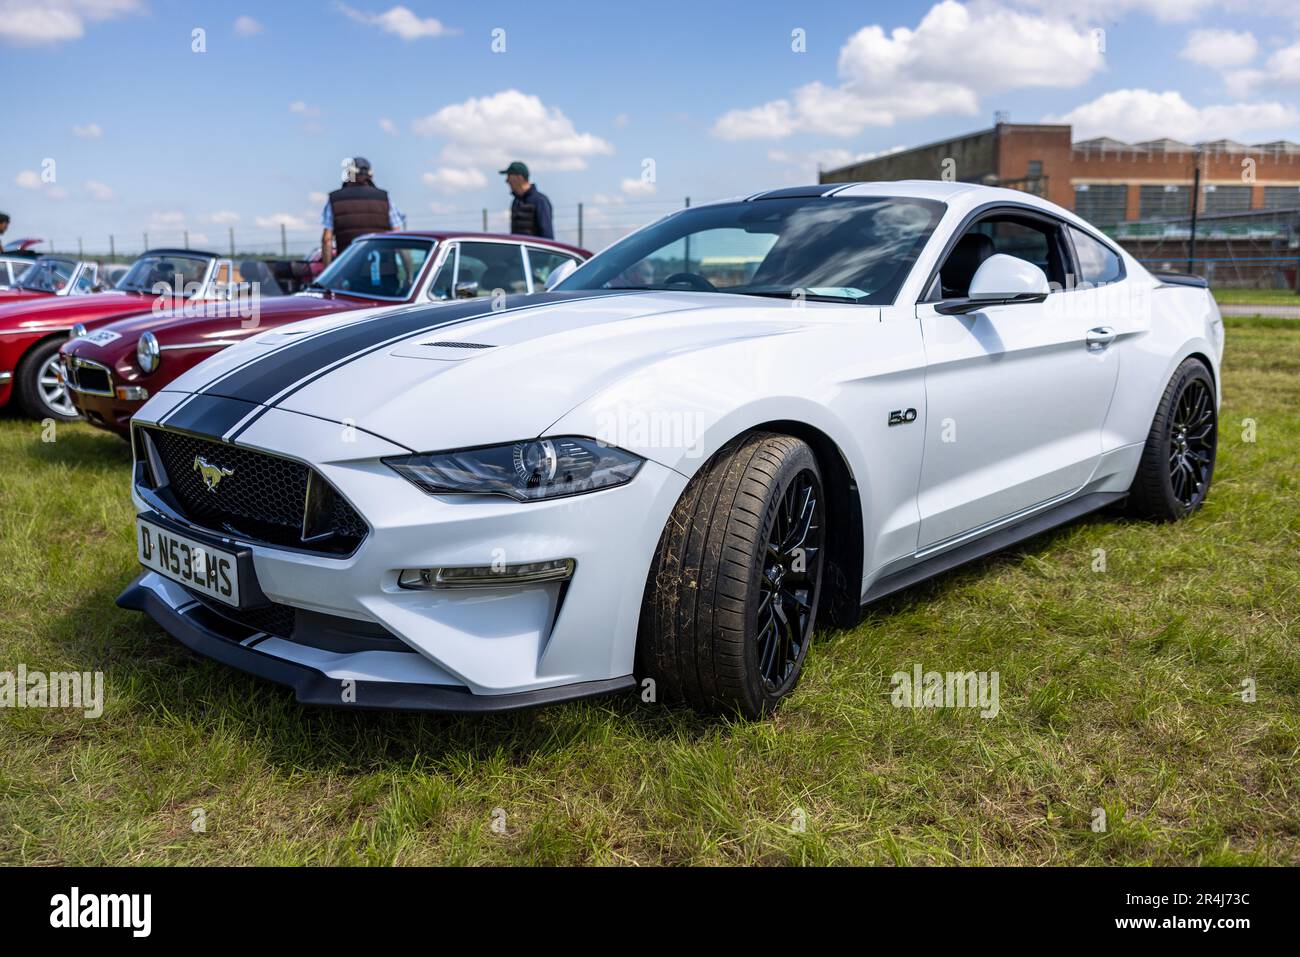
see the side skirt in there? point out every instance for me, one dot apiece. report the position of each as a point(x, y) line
point(992, 542)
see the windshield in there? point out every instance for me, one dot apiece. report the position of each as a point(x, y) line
point(841, 249)
point(377, 268)
point(175, 272)
point(48, 274)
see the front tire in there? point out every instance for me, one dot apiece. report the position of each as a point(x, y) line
point(39, 392)
point(732, 594)
point(1177, 464)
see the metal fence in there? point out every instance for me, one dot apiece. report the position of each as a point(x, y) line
point(591, 225)
point(1259, 249)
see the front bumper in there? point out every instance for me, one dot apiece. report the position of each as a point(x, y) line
point(524, 644)
point(101, 406)
point(325, 679)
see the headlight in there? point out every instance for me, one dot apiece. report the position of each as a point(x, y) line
point(147, 352)
point(79, 330)
point(526, 471)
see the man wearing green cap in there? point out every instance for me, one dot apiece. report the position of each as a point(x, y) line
point(530, 213)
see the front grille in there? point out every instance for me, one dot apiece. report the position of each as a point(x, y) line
point(272, 619)
point(257, 495)
point(85, 376)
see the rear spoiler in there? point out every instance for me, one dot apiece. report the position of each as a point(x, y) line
point(1181, 279)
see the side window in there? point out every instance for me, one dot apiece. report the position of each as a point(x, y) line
point(491, 266)
point(1025, 238)
point(85, 281)
point(221, 281)
point(441, 287)
point(543, 262)
point(1097, 263)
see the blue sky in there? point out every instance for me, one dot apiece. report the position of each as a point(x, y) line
point(625, 107)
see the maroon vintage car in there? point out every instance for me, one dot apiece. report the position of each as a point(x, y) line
point(112, 372)
point(31, 330)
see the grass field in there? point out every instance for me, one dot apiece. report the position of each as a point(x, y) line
point(1119, 690)
point(1257, 297)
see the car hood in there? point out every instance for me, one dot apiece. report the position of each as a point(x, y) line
point(507, 374)
point(19, 295)
point(199, 320)
point(63, 312)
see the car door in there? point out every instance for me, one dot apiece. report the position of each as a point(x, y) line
point(1016, 394)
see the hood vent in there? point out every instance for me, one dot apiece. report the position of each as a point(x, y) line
point(458, 345)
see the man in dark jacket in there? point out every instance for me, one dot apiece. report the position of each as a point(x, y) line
point(530, 213)
point(354, 209)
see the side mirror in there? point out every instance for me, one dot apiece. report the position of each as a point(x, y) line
point(1001, 280)
point(560, 273)
point(466, 290)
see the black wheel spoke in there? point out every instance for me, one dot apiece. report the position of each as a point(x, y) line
point(791, 558)
point(1192, 436)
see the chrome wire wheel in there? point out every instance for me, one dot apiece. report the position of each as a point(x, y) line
point(1193, 431)
point(52, 391)
point(788, 585)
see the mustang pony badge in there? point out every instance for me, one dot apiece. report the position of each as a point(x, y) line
point(211, 474)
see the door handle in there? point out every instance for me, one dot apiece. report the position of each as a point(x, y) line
point(1099, 338)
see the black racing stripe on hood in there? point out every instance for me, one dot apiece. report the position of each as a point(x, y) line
point(262, 379)
point(208, 415)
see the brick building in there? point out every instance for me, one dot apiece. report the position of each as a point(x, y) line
point(1103, 180)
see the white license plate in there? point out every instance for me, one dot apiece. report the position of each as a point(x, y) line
point(199, 566)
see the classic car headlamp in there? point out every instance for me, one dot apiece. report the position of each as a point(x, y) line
point(526, 471)
point(147, 352)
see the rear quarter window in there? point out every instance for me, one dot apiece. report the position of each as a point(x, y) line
point(1097, 262)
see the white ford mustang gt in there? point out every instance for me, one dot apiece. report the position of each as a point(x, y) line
point(742, 419)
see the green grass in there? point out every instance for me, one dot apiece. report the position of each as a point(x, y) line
point(1256, 297)
point(1117, 692)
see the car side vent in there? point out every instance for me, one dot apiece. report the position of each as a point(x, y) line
point(459, 345)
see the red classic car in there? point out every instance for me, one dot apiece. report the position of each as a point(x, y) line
point(13, 263)
point(53, 276)
point(111, 373)
point(31, 330)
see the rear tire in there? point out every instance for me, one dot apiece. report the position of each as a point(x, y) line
point(39, 394)
point(731, 599)
point(1177, 463)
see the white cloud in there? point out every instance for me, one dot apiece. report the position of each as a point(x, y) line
point(317, 198)
point(224, 217)
point(29, 179)
point(1220, 49)
point(302, 109)
point(1167, 11)
point(1281, 70)
point(955, 54)
point(388, 126)
point(1136, 115)
point(399, 21)
point(100, 192)
point(637, 187)
point(275, 221)
point(167, 219)
point(493, 130)
point(453, 179)
point(806, 166)
point(246, 26)
point(53, 21)
point(91, 131)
